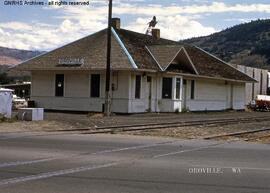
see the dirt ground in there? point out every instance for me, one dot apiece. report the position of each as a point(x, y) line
point(25, 126)
point(55, 121)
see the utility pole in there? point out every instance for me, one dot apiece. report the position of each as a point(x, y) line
point(108, 67)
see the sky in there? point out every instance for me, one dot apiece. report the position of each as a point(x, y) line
point(46, 27)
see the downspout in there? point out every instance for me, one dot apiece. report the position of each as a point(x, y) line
point(156, 92)
point(133, 64)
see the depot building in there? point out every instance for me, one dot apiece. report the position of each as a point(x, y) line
point(149, 74)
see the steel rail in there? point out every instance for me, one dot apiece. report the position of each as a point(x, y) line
point(201, 122)
point(239, 133)
point(164, 125)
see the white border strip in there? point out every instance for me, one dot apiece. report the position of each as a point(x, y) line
point(125, 49)
point(154, 59)
point(55, 173)
point(20, 163)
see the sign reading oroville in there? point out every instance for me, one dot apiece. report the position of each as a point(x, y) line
point(71, 61)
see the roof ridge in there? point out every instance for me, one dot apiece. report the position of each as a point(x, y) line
point(146, 35)
point(120, 42)
point(154, 58)
point(191, 62)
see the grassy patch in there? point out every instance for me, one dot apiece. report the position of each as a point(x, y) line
point(7, 120)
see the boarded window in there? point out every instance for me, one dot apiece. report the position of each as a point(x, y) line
point(95, 85)
point(167, 88)
point(184, 81)
point(59, 85)
point(178, 87)
point(138, 87)
point(192, 89)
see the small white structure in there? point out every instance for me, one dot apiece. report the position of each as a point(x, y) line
point(31, 114)
point(263, 97)
point(6, 102)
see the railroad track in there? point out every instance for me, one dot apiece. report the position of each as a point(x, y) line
point(250, 135)
point(241, 134)
point(165, 125)
point(257, 137)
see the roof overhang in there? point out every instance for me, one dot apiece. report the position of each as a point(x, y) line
point(226, 63)
point(208, 77)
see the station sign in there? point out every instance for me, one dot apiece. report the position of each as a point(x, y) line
point(71, 61)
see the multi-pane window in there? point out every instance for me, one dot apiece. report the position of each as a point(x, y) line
point(178, 87)
point(95, 85)
point(167, 88)
point(192, 89)
point(59, 85)
point(138, 87)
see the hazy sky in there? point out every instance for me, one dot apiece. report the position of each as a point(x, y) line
point(47, 27)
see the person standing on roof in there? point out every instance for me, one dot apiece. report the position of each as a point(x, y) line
point(151, 25)
point(153, 22)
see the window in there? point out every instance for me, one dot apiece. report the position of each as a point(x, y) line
point(59, 85)
point(192, 89)
point(184, 81)
point(95, 85)
point(167, 88)
point(138, 87)
point(178, 87)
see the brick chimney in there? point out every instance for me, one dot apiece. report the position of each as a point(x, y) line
point(116, 23)
point(156, 33)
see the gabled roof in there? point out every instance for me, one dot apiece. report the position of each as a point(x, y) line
point(205, 64)
point(131, 51)
point(209, 65)
point(137, 44)
point(164, 54)
point(168, 56)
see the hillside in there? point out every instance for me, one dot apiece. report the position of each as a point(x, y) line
point(246, 44)
point(6, 60)
point(10, 57)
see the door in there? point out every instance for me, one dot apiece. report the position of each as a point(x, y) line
point(59, 85)
point(149, 93)
point(230, 96)
point(184, 95)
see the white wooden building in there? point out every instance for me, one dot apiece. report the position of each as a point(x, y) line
point(149, 74)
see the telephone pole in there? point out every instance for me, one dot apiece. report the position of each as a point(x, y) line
point(108, 66)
